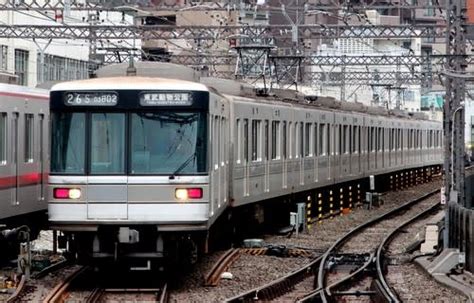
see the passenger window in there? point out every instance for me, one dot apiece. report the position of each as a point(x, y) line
point(3, 138)
point(29, 138)
point(276, 140)
point(301, 142)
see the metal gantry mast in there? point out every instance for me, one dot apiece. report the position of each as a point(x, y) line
point(453, 115)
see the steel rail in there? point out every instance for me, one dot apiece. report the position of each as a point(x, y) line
point(18, 290)
point(387, 292)
point(279, 286)
point(51, 268)
point(351, 233)
point(214, 275)
point(58, 291)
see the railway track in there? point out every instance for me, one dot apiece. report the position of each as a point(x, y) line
point(129, 295)
point(357, 262)
point(350, 269)
point(80, 286)
point(383, 288)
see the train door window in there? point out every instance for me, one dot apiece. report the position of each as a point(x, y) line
point(315, 140)
point(238, 135)
point(339, 139)
point(307, 140)
point(321, 145)
point(29, 137)
point(216, 143)
point(256, 131)
point(3, 138)
point(300, 140)
point(359, 139)
point(291, 139)
point(296, 140)
point(107, 143)
point(352, 139)
point(266, 141)
point(222, 141)
point(328, 139)
point(245, 138)
point(381, 140)
point(284, 145)
point(373, 139)
point(41, 154)
point(276, 140)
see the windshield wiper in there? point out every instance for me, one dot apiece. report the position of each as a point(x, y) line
point(183, 165)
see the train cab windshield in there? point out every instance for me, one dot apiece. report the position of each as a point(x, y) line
point(142, 141)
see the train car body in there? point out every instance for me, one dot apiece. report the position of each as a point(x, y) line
point(24, 164)
point(142, 165)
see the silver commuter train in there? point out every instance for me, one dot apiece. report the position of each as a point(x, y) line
point(24, 163)
point(141, 167)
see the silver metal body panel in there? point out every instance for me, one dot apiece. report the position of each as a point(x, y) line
point(23, 180)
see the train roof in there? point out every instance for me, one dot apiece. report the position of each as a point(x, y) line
point(18, 89)
point(130, 83)
point(150, 69)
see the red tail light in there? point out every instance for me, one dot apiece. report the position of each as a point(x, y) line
point(61, 193)
point(195, 193)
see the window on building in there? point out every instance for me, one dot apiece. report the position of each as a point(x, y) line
point(21, 66)
point(29, 139)
point(3, 57)
point(60, 68)
point(3, 138)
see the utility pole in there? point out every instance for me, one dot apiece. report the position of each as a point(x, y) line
point(453, 115)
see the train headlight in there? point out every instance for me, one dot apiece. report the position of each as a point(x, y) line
point(67, 193)
point(74, 193)
point(181, 194)
point(188, 193)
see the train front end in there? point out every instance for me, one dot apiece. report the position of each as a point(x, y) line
point(129, 167)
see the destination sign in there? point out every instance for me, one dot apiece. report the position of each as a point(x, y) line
point(165, 99)
point(91, 99)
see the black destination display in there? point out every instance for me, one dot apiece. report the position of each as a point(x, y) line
point(165, 99)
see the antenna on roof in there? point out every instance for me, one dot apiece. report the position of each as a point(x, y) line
point(131, 69)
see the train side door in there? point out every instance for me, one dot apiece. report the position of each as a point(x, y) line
point(15, 160)
point(246, 158)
